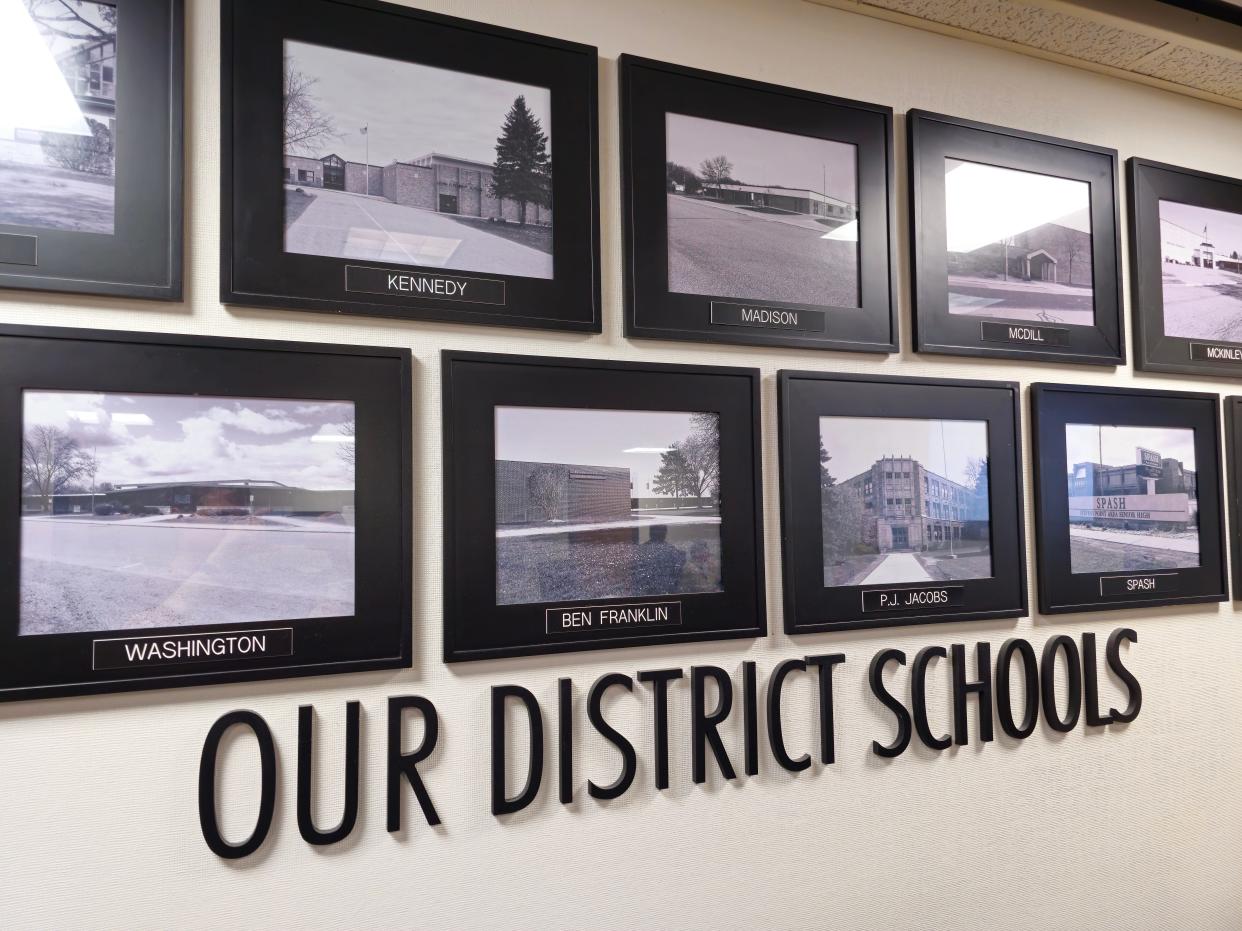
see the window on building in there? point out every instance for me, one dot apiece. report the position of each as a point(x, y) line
point(305, 175)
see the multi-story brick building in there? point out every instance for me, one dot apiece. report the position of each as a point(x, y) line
point(909, 507)
point(536, 492)
point(443, 183)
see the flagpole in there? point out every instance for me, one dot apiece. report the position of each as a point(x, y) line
point(367, 134)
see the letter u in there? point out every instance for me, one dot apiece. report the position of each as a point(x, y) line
point(306, 753)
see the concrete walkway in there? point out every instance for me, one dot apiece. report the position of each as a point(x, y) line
point(1188, 544)
point(897, 568)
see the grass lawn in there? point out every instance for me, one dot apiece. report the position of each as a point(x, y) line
point(606, 564)
point(974, 565)
point(537, 237)
point(1104, 556)
point(850, 572)
point(295, 205)
point(53, 198)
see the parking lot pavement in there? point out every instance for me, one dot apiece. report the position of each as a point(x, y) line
point(1202, 303)
point(751, 256)
point(1038, 302)
point(352, 226)
point(77, 576)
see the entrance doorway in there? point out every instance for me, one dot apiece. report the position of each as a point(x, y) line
point(901, 538)
point(448, 203)
point(334, 177)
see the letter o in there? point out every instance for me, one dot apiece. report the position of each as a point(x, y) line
point(207, 786)
point(1048, 678)
point(1004, 699)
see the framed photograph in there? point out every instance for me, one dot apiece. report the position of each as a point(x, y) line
point(1015, 245)
point(1185, 269)
point(90, 147)
point(386, 161)
point(592, 504)
point(901, 500)
point(755, 213)
point(1127, 498)
point(182, 511)
point(1233, 446)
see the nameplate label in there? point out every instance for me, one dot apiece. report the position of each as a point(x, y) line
point(175, 649)
point(1215, 352)
point(1148, 583)
point(585, 619)
point(19, 249)
point(913, 599)
point(768, 318)
point(396, 283)
point(1024, 333)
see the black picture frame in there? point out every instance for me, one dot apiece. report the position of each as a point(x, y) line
point(1233, 486)
point(474, 385)
point(255, 268)
point(810, 605)
point(142, 255)
point(933, 137)
point(376, 380)
point(1060, 589)
point(1148, 184)
point(650, 90)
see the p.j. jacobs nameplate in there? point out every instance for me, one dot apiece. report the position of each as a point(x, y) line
point(913, 599)
point(768, 318)
point(173, 649)
point(405, 283)
point(1028, 334)
point(587, 619)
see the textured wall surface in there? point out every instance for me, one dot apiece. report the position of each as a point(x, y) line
point(1136, 826)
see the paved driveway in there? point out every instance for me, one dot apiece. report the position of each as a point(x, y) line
point(82, 575)
point(1202, 303)
point(1034, 301)
point(724, 252)
point(897, 568)
point(352, 226)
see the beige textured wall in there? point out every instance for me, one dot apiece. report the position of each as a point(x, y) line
point(1133, 827)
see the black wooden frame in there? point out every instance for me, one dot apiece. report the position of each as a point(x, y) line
point(1052, 407)
point(474, 384)
point(649, 90)
point(1149, 183)
point(803, 398)
point(142, 258)
point(932, 138)
point(255, 270)
point(377, 380)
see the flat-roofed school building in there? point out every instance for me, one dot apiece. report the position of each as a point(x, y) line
point(438, 182)
point(531, 492)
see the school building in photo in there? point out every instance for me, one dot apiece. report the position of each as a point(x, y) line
point(238, 495)
point(1049, 252)
point(909, 507)
point(1187, 247)
point(532, 492)
point(789, 200)
point(443, 183)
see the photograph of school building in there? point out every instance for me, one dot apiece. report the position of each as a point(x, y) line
point(760, 215)
point(57, 136)
point(1201, 273)
point(895, 518)
point(619, 504)
point(1131, 515)
point(1018, 245)
point(395, 162)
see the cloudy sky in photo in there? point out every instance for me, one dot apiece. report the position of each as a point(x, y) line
point(162, 438)
point(411, 110)
point(1224, 229)
point(941, 446)
point(630, 440)
point(1120, 444)
point(764, 157)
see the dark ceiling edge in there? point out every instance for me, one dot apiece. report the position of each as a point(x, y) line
point(1216, 9)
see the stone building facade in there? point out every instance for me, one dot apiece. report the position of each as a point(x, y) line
point(538, 492)
point(443, 183)
point(908, 507)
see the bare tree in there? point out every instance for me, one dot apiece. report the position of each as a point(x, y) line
point(1070, 244)
point(307, 128)
point(348, 451)
point(545, 485)
point(51, 459)
point(64, 18)
point(715, 170)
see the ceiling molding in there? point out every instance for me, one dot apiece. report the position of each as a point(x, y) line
point(1145, 41)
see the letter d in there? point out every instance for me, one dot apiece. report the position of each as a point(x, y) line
point(501, 804)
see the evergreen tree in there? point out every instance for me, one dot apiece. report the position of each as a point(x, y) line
point(674, 476)
point(523, 169)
